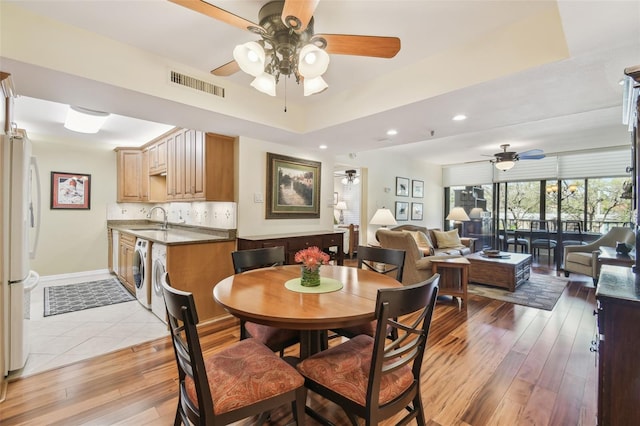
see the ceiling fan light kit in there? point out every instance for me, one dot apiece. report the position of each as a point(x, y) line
point(505, 165)
point(288, 45)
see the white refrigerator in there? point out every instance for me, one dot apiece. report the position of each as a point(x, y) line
point(20, 229)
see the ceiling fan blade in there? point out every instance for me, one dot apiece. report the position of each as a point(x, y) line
point(360, 45)
point(296, 14)
point(217, 13)
point(532, 154)
point(226, 69)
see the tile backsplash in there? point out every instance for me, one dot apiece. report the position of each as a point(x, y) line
point(206, 214)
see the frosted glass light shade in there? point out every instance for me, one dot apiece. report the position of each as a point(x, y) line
point(265, 83)
point(314, 85)
point(250, 57)
point(84, 120)
point(383, 217)
point(313, 61)
point(505, 165)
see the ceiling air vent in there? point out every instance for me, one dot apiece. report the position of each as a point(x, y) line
point(194, 83)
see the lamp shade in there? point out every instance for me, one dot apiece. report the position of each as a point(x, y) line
point(250, 57)
point(383, 217)
point(458, 214)
point(504, 165)
point(313, 61)
point(265, 83)
point(476, 213)
point(341, 205)
point(84, 120)
point(314, 85)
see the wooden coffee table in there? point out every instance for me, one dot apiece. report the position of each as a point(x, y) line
point(508, 271)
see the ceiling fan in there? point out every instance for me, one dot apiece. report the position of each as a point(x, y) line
point(506, 159)
point(350, 177)
point(288, 45)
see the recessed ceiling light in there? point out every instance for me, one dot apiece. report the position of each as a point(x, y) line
point(459, 117)
point(392, 132)
point(323, 147)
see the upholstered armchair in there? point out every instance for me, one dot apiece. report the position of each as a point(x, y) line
point(583, 259)
point(417, 267)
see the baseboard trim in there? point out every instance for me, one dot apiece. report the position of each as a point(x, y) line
point(73, 275)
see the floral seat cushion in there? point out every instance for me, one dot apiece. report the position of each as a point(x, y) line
point(244, 374)
point(273, 337)
point(345, 370)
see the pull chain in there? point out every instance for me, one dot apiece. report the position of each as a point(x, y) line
point(285, 94)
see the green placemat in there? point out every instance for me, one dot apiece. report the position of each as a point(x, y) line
point(327, 285)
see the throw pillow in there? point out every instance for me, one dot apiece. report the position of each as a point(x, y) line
point(448, 239)
point(424, 243)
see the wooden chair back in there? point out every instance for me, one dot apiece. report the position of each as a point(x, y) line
point(372, 257)
point(244, 260)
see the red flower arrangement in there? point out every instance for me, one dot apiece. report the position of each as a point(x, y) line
point(312, 258)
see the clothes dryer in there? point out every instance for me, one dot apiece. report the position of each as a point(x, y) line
point(159, 258)
point(141, 272)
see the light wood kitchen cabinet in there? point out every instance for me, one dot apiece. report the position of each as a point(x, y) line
point(202, 167)
point(158, 157)
point(133, 180)
point(126, 252)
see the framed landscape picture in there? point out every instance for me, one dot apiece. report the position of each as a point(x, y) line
point(293, 188)
point(71, 191)
point(416, 211)
point(417, 188)
point(402, 210)
point(402, 187)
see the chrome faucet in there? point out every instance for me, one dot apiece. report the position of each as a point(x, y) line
point(164, 212)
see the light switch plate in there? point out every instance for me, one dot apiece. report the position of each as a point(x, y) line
point(257, 197)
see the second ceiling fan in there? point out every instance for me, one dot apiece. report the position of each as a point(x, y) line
point(288, 45)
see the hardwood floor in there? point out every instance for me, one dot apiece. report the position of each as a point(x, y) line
point(495, 364)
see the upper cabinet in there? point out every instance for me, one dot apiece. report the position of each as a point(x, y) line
point(200, 167)
point(183, 165)
point(158, 157)
point(133, 180)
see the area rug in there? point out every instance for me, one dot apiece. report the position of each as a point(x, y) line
point(541, 291)
point(77, 297)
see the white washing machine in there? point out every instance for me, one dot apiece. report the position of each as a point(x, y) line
point(142, 272)
point(159, 259)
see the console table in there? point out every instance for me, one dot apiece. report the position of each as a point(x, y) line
point(292, 243)
point(618, 301)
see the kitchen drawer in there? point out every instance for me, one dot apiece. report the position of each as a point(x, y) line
point(127, 239)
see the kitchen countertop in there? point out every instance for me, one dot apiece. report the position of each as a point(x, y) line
point(175, 234)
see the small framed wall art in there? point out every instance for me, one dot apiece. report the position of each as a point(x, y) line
point(417, 188)
point(402, 210)
point(71, 191)
point(402, 187)
point(416, 211)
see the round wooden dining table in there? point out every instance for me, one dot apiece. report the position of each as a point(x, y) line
point(260, 296)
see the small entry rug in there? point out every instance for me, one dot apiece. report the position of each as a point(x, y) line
point(77, 297)
point(541, 291)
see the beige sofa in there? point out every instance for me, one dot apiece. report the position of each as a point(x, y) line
point(583, 259)
point(417, 265)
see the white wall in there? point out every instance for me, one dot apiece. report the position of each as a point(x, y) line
point(252, 172)
point(383, 166)
point(74, 240)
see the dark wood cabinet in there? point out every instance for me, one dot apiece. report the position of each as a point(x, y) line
point(292, 243)
point(618, 313)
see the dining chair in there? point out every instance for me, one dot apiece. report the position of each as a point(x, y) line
point(374, 378)
point(572, 230)
point(540, 237)
point(518, 241)
point(243, 380)
point(277, 339)
point(383, 261)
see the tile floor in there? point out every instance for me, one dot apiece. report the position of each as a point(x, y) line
point(66, 338)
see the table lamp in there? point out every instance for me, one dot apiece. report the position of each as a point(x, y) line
point(383, 217)
point(458, 215)
point(341, 206)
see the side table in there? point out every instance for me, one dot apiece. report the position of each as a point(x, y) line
point(609, 256)
point(448, 285)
